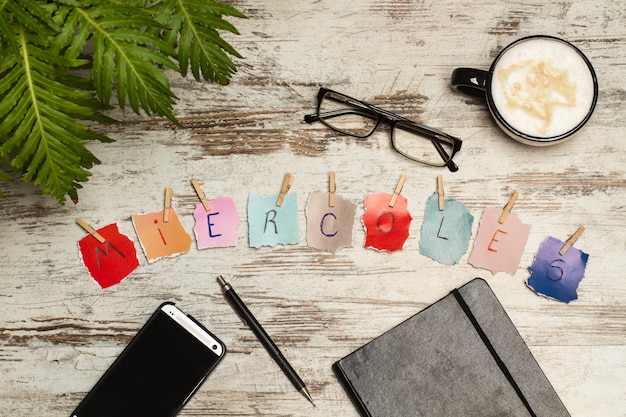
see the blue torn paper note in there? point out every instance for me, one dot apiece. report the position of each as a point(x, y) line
point(269, 224)
point(445, 233)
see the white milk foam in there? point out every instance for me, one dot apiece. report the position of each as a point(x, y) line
point(542, 87)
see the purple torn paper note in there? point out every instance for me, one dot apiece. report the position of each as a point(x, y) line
point(557, 276)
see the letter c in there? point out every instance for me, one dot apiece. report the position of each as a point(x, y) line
point(322, 225)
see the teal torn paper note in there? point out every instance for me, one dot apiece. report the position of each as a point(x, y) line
point(446, 234)
point(269, 224)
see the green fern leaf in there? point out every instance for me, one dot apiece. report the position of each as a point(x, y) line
point(123, 52)
point(193, 26)
point(123, 46)
point(38, 131)
point(27, 13)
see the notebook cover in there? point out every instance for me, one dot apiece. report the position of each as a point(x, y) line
point(461, 356)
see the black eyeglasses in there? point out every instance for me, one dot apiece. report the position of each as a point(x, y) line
point(358, 119)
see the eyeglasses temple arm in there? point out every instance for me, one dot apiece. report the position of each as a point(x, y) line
point(310, 118)
point(444, 155)
point(425, 130)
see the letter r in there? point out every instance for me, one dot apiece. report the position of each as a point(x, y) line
point(272, 220)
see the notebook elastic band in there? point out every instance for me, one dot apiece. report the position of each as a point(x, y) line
point(492, 350)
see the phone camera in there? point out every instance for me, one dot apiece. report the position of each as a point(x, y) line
point(214, 347)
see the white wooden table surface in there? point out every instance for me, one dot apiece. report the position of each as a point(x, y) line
point(59, 331)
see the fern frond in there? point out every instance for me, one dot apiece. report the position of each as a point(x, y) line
point(26, 13)
point(31, 14)
point(193, 27)
point(38, 130)
point(3, 175)
point(123, 53)
point(44, 42)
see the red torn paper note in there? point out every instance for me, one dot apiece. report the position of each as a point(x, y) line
point(110, 262)
point(387, 228)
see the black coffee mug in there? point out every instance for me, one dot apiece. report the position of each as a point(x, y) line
point(540, 89)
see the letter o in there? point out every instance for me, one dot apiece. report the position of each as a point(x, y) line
point(378, 222)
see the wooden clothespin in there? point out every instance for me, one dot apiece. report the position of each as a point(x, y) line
point(284, 189)
point(397, 191)
point(201, 196)
point(440, 192)
point(332, 187)
point(168, 204)
point(509, 206)
point(90, 230)
point(570, 242)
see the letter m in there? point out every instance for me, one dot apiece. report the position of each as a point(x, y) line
point(105, 251)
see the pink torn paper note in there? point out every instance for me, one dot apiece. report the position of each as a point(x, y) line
point(110, 262)
point(499, 247)
point(386, 228)
point(329, 228)
point(217, 227)
point(160, 239)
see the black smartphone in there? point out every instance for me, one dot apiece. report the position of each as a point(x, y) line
point(159, 370)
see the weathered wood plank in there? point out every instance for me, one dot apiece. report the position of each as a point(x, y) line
point(59, 332)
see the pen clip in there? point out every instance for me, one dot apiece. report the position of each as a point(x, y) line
point(243, 321)
point(225, 288)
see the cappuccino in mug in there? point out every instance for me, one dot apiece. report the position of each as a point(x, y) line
point(542, 87)
point(539, 89)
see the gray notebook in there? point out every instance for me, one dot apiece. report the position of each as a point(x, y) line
point(462, 356)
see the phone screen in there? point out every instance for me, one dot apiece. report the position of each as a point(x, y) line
point(159, 370)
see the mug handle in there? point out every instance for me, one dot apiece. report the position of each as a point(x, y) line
point(469, 81)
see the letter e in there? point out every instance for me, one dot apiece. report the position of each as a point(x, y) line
point(493, 239)
point(208, 220)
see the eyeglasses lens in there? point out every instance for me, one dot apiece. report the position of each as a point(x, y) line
point(346, 115)
point(410, 142)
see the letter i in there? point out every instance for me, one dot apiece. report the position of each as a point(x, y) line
point(160, 232)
